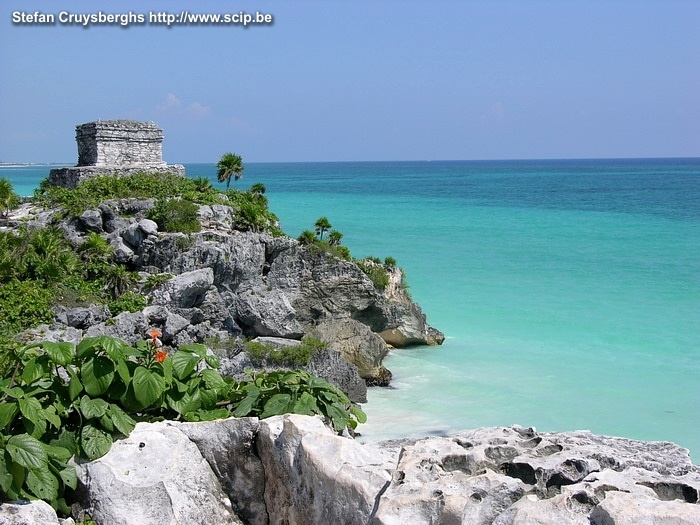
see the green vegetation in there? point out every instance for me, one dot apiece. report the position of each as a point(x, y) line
point(91, 192)
point(106, 386)
point(376, 272)
point(153, 281)
point(39, 268)
point(281, 392)
point(230, 165)
point(322, 225)
point(296, 355)
point(175, 215)
point(9, 200)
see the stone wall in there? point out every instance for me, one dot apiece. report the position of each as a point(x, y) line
point(115, 147)
point(119, 143)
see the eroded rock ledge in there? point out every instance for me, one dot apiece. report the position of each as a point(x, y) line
point(222, 285)
point(294, 470)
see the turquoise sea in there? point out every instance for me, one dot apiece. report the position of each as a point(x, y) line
point(569, 291)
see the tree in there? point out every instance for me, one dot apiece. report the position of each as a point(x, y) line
point(9, 200)
point(307, 237)
point(322, 226)
point(334, 238)
point(230, 165)
point(258, 188)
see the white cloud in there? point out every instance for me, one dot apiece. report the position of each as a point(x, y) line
point(170, 102)
point(175, 106)
point(198, 110)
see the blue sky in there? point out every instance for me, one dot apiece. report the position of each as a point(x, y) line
point(338, 80)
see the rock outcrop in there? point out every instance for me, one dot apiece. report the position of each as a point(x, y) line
point(294, 470)
point(222, 284)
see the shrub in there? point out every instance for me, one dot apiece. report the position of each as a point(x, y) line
point(375, 271)
point(47, 417)
point(91, 192)
point(273, 393)
point(296, 355)
point(152, 281)
point(127, 302)
point(175, 215)
point(9, 200)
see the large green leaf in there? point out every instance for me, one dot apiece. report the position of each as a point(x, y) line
point(213, 379)
point(124, 423)
point(60, 353)
point(212, 361)
point(276, 405)
point(339, 416)
point(33, 370)
point(306, 405)
point(27, 451)
point(88, 346)
point(5, 474)
point(32, 410)
point(97, 374)
point(74, 385)
point(246, 405)
point(184, 363)
point(195, 348)
point(42, 483)
point(94, 442)
point(123, 371)
point(52, 417)
point(8, 411)
point(69, 477)
point(93, 408)
point(359, 414)
point(66, 439)
point(183, 403)
point(113, 347)
point(148, 386)
point(57, 452)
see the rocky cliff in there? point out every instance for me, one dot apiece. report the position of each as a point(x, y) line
point(294, 470)
point(221, 285)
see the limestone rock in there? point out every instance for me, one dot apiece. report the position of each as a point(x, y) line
point(228, 445)
point(316, 477)
point(357, 343)
point(82, 317)
point(28, 513)
point(155, 476)
point(92, 220)
point(622, 508)
point(130, 327)
point(267, 313)
point(185, 290)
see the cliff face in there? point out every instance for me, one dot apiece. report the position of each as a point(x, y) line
point(221, 284)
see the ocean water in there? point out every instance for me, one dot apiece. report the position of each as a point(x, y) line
point(569, 291)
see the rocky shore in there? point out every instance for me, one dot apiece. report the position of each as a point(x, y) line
point(294, 470)
point(223, 284)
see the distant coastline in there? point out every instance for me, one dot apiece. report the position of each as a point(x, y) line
point(30, 164)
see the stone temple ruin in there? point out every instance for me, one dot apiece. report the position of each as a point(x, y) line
point(115, 147)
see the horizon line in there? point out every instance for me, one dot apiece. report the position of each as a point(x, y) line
point(525, 159)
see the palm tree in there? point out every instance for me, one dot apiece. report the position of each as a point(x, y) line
point(322, 226)
point(9, 200)
point(258, 188)
point(307, 237)
point(202, 185)
point(334, 238)
point(229, 165)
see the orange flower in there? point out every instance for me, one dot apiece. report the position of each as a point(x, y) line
point(161, 355)
point(154, 333)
